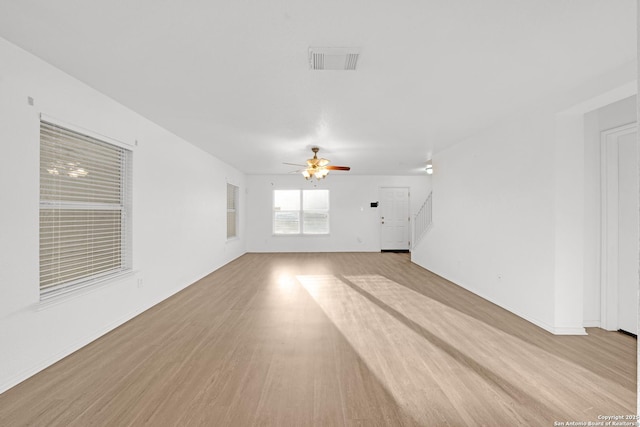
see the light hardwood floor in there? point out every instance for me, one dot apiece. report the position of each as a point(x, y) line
point(329, 339)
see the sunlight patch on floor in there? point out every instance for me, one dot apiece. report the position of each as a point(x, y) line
point(431, 357)
point(286, 282)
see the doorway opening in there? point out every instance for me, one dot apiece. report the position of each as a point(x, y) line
point(619, 268)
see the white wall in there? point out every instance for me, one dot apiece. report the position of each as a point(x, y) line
point(354, 225)
point(179, 217)
point(493, 217)
point(508, 206)
point(610, 116)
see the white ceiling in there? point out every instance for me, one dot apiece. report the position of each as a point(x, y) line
point(233, 77)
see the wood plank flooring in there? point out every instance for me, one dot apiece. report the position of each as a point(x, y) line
point(329, 340)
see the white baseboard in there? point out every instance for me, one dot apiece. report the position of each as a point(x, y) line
point(17, 378)
point(569, 331)
point(591, 324)
point(549, 328)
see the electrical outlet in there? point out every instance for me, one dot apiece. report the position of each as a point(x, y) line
point(140, 283)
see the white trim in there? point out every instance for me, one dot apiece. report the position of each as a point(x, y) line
point(591, 324)
point(569, 214)
point(235, 210)
point(608, 294)
point(621, 92)
point(80, 343)
point(17, 378)
point(301, 211)
point(53, 288)
point(86, 132)
point(539, 323)
point(569, 331)
point(67, 291)
point(297, 235)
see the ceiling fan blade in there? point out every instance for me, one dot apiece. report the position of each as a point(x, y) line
point(293, 164)
point(337, 168)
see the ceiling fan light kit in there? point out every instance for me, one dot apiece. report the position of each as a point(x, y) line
point(318, 174)
point(319, 168)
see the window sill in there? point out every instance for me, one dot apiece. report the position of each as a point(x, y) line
point(65, 295)
point(301, 235)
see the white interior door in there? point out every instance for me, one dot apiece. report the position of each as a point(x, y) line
point(394, 218)
point(620, 228)
point(627, 234)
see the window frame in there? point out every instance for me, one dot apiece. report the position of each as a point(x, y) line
point(300, 211)
point(49, 205)
point(234, 209)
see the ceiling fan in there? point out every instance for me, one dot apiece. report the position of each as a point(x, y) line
point(317, 168)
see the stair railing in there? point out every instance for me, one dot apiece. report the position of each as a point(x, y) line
point(422, 220)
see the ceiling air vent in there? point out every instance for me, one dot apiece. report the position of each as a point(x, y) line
point(333, 58)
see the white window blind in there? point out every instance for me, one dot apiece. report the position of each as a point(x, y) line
point(85, 209)
point(300, 212)
point(286, 212)
point(232, 211)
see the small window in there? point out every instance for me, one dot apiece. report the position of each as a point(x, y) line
point(85, 209)
point(300, 212)
point(232, 211)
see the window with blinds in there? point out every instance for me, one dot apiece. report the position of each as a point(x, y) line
point(300, 212)
point(232, 211)
point(85, 209)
